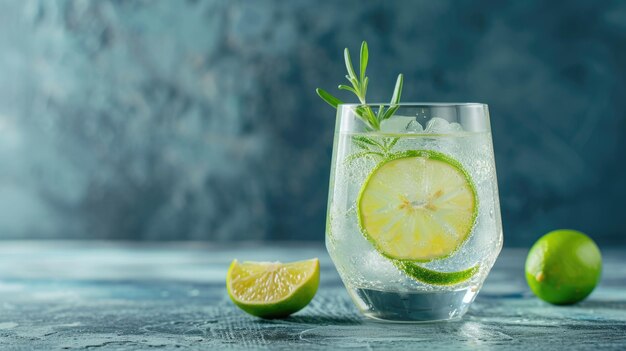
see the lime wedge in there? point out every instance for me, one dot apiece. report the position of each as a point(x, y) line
point(272, 289)
point(419, 206)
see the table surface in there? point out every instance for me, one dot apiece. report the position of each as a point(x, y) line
point(118, 296)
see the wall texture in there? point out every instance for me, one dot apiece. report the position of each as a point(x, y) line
point(198, 119)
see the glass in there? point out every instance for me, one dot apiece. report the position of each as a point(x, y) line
point(382, 211)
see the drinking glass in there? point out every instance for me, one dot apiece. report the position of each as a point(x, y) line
point(413, 224)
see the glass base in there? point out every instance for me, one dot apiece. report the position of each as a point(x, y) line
point(412, 307)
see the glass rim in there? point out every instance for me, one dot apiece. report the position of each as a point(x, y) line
point(417, 104)
point(473, 116)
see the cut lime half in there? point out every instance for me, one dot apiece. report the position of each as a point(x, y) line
point(272, 289)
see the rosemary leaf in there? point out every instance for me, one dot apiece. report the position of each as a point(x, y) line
point(380, 112)
point(355, 83)
point(346, 56)
point(365, 113)
point(390, 112)
point(361, 145)
point(364, 57)
point(397, 91)
point(348, 88)
point(392, 143)
point(331, 100)
point(364, 87)
point(358, 155)
point(366, 140)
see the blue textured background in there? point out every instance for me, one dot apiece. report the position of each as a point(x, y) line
point(198, 119)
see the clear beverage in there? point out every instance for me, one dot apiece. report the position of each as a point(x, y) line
point(380, 288)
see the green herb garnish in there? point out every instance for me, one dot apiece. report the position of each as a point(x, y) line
point(359, 88)
point(372, 148)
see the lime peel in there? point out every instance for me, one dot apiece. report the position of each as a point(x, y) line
point(433, 277)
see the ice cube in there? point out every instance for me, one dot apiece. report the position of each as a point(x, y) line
point(414, 127)
point(401, 124)
point(379, 269)
point(438, 125)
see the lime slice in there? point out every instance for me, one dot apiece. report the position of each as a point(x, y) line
point(418, 205)
point(272, 289)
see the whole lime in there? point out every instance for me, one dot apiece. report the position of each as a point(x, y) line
point(563, 267)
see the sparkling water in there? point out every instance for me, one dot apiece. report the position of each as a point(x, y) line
point(378, 288)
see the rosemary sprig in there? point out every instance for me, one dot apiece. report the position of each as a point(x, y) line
point(358, 86)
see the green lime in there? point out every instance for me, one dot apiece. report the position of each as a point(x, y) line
point(419, 206)
point(563, 267)
point(273, 289)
